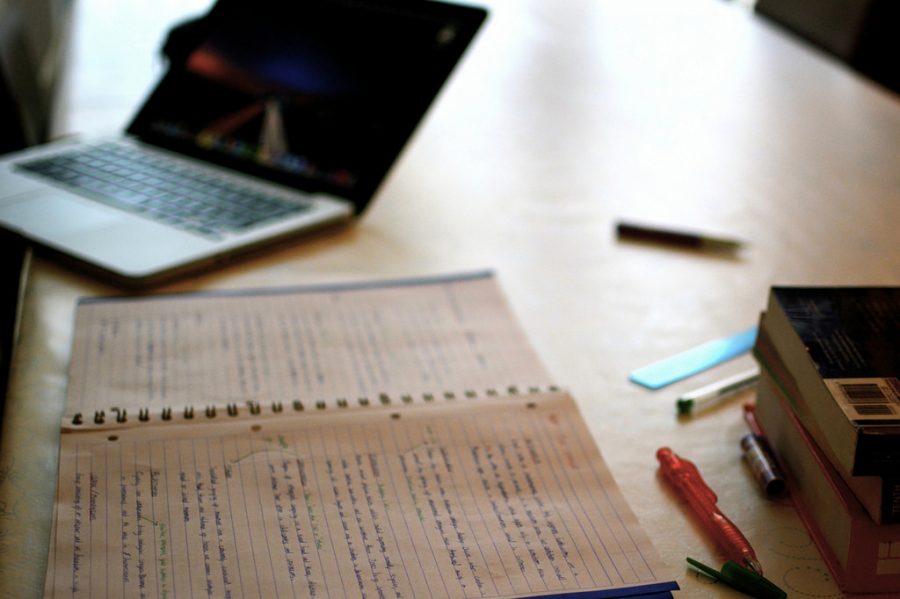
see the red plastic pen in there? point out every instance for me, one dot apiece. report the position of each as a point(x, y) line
point(684, 476)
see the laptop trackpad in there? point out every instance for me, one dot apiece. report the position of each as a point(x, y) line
point(117, 240)
point(47, 214)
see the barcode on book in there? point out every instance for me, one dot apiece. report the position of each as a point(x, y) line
point(867, 398)
point(864, 393)
point(873, 410)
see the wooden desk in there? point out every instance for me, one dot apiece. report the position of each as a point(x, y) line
point(559, 122)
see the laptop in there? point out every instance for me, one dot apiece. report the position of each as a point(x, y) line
point(273, 118)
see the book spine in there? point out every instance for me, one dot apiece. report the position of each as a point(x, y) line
point(863, 557)
point(890, 500)
point(879, 494)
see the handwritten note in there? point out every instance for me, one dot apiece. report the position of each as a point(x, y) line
point(306, 344)
point(397, 439)
point(485, 497)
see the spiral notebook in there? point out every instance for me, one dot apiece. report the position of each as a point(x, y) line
point(391, 439)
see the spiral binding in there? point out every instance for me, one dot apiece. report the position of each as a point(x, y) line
point(255, 408)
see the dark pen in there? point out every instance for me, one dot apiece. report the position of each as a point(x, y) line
point(683, 239)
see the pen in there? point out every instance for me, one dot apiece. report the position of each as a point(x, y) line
point(715, 393)
point(763, 465)
point(684, 476)
point(683, 239)
point(760, 458)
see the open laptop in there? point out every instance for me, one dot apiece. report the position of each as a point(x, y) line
point(274, 117)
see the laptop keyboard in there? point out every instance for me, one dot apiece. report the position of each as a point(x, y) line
point(163, 189)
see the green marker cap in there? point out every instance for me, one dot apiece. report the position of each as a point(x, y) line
point(742, 579)
point(684, 406)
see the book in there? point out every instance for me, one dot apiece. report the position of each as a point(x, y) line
point(862, 556)
point(880, 495)
point(395, 438)
point(842, 347)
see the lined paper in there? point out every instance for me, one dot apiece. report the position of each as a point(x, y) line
point(391, 439)
point(485, 497)
point(309, 344)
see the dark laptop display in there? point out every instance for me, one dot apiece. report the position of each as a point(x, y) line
point(310, 94)
point(273, 119)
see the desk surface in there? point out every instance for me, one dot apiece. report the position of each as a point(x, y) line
point(559, 122)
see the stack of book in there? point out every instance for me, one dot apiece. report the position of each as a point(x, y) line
point(829, 402)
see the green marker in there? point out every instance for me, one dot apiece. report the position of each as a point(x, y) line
point(715, 393)
point(742, 579)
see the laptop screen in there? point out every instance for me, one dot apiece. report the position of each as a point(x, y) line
point(317, 94)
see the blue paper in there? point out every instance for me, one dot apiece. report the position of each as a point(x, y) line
point(680, 366)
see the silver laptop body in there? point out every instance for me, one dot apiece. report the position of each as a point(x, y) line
point(300, 108)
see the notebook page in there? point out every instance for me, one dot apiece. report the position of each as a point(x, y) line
point(486, 497)
point(309, 344)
